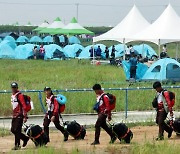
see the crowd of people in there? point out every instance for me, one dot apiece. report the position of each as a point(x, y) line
point(162, 102)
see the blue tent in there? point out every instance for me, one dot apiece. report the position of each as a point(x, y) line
point(9, 38)
point(50, 49)
point(22, 39)
point(48, 39)
point(141, 69)
point(163, 69)
point(74, 40)
point(9, 43)
point(24, 51)
point(85, 53)
point(119, 50)
point(72, 51)
point(61, 39)
point(6, 52)
point(145, 50)
point(35, 39)
point(0, 40)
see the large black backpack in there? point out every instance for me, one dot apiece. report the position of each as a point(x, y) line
point(75, 129)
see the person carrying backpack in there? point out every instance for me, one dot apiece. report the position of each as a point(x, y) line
point(52, 114)
point(19, 116)
point(163, 103)
point(104, 112)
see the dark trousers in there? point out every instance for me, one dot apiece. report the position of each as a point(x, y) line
point(16, 128)
point(56, 123)
point(101, 122)
point(161, 116)
point(133, 72)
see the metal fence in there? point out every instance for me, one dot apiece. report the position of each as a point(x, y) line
point(87, 90)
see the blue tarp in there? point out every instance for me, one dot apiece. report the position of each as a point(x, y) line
point(119, 50)
point(85, 53)
point(9, 38)
point(24, 51)
point(12, 44)
point(141, 69)
point(163, 69)
point(50, 49)
point(22, 39)
point(48, 39)
point(74, 40)
point(145, 50)
point(70, 51)
point(35, 39)
point(6, 52)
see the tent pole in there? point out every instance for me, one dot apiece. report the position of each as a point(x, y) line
point(124, 49)
point(159, 48)
point(176, 50)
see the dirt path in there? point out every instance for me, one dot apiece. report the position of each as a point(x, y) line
point(141, 134)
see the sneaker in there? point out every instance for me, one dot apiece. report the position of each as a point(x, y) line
point(170, 133)
point(95, 143)
point(16, 148)
point(113, 139)
point(159, 138)
point(25, 142)
point(66, 135)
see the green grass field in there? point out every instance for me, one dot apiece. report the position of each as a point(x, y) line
point(35, 74)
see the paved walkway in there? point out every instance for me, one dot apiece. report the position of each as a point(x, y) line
point(90, 119)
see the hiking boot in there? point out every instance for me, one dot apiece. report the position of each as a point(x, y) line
point(170, 133)
point(113, 139)
point(25, 142)
point(66, 135)
point(16, 148)
point(159, 138)
point(95, 143)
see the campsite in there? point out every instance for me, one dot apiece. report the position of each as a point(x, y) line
point(89, 67)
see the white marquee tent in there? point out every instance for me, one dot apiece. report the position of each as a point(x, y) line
point(133, 23)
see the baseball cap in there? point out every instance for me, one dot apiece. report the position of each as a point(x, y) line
point(14, 85)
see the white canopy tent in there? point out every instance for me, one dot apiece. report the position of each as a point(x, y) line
point(164, 30)
point(133, 23)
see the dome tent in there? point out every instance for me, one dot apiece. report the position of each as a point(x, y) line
point(9, 38)
point(6, 52)
point(163, 69)
point(141, 69)
point(85, 53)
point(48, 39)
point(22, 39)
point(50, 49)
point(119, 50)
point(74, 40)
point(35, 39)
point(24, 51)
point(145, 50)
point(12, 44)
point(72, 51)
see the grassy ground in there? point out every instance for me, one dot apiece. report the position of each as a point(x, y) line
point(70, 74)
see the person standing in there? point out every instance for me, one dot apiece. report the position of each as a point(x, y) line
point(19, 116)
point(104, 112)
point(107, 53)
point(163, 108)
point(98, 52)
point(91, 52)
point(113, 52)
point(52, 114)
point(133, 66)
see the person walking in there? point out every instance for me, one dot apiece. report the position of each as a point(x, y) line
point(104, 112)
point(52, 114)
point(163, 108)
point(19, 116)
point(133, 66)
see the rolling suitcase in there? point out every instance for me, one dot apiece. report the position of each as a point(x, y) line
point(36, 134)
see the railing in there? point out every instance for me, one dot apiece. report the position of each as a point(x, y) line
point(87, 90)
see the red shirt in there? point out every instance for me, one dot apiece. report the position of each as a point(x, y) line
point(104, 104)
point(19, 105)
